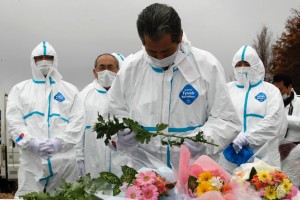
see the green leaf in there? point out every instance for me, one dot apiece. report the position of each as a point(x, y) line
point(192, 183)
point(128, 174)
point(110, 178)
point(170, 185)
point(161, 127)
point(36, 196)
point(96, 185)
point(116, 190)
point(252, 173)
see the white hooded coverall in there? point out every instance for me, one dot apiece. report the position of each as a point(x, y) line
point(291, 165)
point(260, 108)
point(42, 108)
point(190, 96)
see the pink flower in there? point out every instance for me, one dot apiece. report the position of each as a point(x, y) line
point(145, 178)
point(149, 193)
point(293, 193)
point(133, 192)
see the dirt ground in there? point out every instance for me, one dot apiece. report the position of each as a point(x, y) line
point(6, 196)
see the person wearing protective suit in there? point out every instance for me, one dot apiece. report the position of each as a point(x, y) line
point(260, 108)
point(97, 155)
point(290, 148)
point(171, 82)
point(45, 118)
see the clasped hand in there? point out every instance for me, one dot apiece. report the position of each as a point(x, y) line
point(45, 148)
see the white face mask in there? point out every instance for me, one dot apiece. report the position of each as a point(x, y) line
point(242, 75)
point(285, 96)
point(106, 78)
point(44, 66)
point(165, 62)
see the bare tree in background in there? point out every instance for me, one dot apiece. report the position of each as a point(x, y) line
point(263, 45)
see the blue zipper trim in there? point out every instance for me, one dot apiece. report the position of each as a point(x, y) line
point(255, 115)
point(88, 127)
point(169, 164)
point(101, 91)
point(158, 70)
point(173, 130)
point(45, 48)
point(120, 56)
point(243, 53)
point(50, 171)
point(186, 129)
point(33, 113)
point(43, 82)
point(245, 109)
point(239, 86)
point(256, 84)
point(246, 104)
point(58, 115)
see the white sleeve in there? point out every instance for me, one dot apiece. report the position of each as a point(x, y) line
point(15, 122)
point(223, 124)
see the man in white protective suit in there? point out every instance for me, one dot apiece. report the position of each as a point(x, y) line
point(45, 118)
point(260, 108)
point(171, 82)
point(290, 148)
point(97, 155)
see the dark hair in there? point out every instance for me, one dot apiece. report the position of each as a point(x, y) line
point(282, 77)
point(106, 54)
point(157, 20)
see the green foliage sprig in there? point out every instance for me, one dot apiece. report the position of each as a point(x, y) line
point(84, 188)
point(107, 129)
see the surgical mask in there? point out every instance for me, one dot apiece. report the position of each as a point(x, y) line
point(285, 96)
point(165, 62)
point(44, 66)
point(242, 76)
point(106, 78)
point(242, 70)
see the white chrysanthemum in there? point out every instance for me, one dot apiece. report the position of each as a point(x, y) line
point(280, 191)
point(217, 182)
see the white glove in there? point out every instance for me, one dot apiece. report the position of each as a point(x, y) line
point(52, 145)
point(195, 147)
point(35, 145)
point(127, 137)
point(81, 168)
point(239, 142)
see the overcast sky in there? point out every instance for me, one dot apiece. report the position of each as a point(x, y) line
point(79, 30)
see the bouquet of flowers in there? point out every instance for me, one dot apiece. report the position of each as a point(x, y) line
point(148, 184)
point(152, 180)
point(204, 179)
point(269, 182)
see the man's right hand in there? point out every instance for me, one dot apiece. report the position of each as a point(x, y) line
point(127, 137)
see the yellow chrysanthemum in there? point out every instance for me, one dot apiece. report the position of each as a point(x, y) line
point(203, 187)
point(205, 176)
point(270, 193)
point(287, 185)
point(264, 176)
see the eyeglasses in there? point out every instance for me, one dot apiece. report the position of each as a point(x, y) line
point(43, 57)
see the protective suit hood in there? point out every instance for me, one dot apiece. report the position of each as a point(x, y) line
point(119, 57)
point(257, 69)
point(44, 48)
